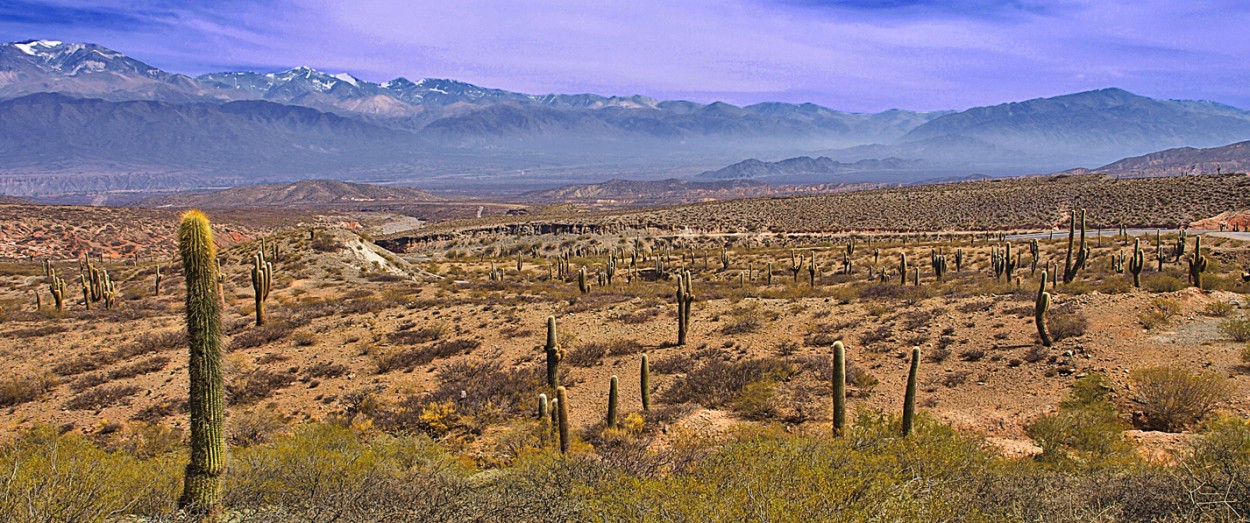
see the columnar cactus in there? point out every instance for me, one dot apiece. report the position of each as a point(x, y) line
point(839, 387)
point(1137, 262)
point(1197, 263)
point(544, 418)
point(684, 298)
point(769, 278)
point(554, 352)
point(811, 269)
point(613, 384)
point(57, 288)
point(582, 284)
point(1039, 311)
point(1160, 257)
point(796, 263)
point(644, 382)
point(1034, 252)
point(1179, 249)
point(262, 280)
point(1076, 257)
point(562, 409)
point(724, 258)
point(202, 485)
point(959, 260)
point(939, 266)
point(157, 287)
point(909, 397)
point(902, 268)
point(108, 290)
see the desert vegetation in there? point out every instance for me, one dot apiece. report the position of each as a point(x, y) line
point(624, 373)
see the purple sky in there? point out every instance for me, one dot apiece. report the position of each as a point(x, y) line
point(861, 55)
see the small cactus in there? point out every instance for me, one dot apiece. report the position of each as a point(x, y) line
point(1039, 311)
point(562, 409)
point(613, 384)
point(554, 353)
point(909, 398)
point(644, 382)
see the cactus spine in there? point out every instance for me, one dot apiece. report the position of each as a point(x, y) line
point(262, 279)
point(1039, 311)
point(909, 398)
point(562, 414)
point(1197, 263)
point(555, 353)
point(1137, 262)
point(613, 384)
point(839, 387)
point(202, 487)
point(644, 382)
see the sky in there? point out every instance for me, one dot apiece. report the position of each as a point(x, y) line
point(856, 55)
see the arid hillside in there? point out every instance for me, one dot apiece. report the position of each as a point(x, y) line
point(1019, 203)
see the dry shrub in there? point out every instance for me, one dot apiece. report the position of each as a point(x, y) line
point(325, 369)
point(101, 397)
point(586, 355)
point(1174, 397)
point(256, 385)
point(409, 359)
point(717, 383)
point(261, 335)
point(23, 389)
point(1159, 312)
point(415, 337)
point(1066, 323)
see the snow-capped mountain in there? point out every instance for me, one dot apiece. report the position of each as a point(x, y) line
point(89, 70)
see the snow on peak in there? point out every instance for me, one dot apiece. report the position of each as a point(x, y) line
point(346, 78)
point(29, 47)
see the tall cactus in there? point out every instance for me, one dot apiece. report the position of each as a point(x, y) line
point(909, 397)
point(554, 352)
point(902, 268)
point(1137, 262)
point(1197, 263)
point(202, 486)
point(1077, 256)
point(582, 285)
point(1039, 311)
point(685, 297)
point(57, 288)
point(811, 269)
point(724, 258)
point(262, 280)
point(613, 393)
point(796, 263)
point(562, 409)
point(644, 382)
point(157, 287)
point(839, 387)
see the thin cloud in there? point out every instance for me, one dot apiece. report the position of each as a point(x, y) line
point(850, 54)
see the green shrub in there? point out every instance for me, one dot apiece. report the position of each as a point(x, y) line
point(1236, 328)
point(1219, 309)
point(1173, 397)
point(1163, 282)
point(65, 477)
point(1159, 312)
point(1086, 430)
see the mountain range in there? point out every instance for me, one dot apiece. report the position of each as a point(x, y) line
point(79, 117)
